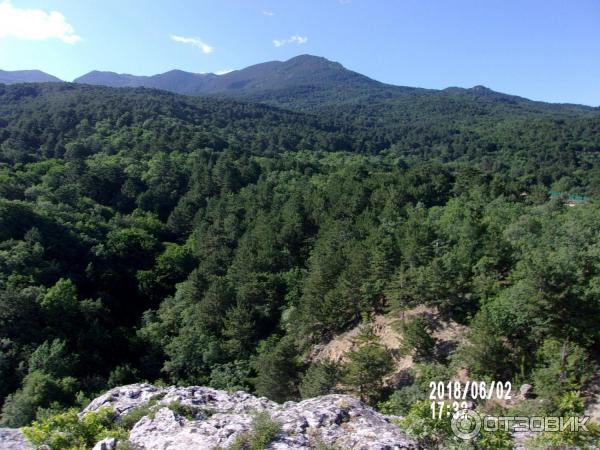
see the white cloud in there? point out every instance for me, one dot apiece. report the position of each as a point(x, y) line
point(193, 41)
point(223, 72)
point(35, 24)
point(269, 13)
point(295, 39)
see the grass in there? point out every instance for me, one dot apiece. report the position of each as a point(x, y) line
point(264, 430)
point(187, 411)
point(128, 420)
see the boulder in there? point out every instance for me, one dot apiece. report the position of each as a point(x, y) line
point(13, 439)
point(106, 444)
point(525, 390)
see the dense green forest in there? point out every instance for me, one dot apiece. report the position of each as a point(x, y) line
point(150, 236)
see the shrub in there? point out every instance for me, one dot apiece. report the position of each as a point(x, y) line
point(429, 431)
point(232, 376)
point(187, 411)
point(39, 390)
point(401, 400)
point(66, 431)
point(264, 431)
point(128, 420)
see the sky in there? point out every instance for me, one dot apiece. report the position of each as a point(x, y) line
point(540, 49)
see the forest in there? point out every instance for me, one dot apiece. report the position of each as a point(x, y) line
point(150, 236)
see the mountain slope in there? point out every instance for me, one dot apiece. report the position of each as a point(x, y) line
point(40, 116)
point(304, 70)
point(176, 81)
point(315, 84)
point(111, 79)
point(455, 124)
point(26, 76)
point(203, 241)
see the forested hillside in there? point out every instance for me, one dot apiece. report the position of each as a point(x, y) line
point(150, 236)
point(490, 130)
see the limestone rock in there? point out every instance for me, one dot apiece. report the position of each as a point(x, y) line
point(525, 390)
point(215, 418)
point(106, 444)
point(13, 439)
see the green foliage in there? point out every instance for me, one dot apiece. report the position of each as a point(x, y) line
point(485, 353)
point(494, 440)
point(433, 432)
point(367, 366)
point(133, 416)
point(66, 431)
point(145, 235)
point(239, 330)
point(321, 378)
point(121, 375)
point(187, 411)
point(567, 438)
point(264, 431)
point(60, 301)
point(51, 358)
point(39, 390)
point(276, 370)
point(419, 422)
point(231, 376)
point(563, 368)
point(417, 336)
point(400, 402)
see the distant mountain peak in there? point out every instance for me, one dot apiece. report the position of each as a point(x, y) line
point(304, 82)
point(299, 71)
point(26, 76)
point(312, 59)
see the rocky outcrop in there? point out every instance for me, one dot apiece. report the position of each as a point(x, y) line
point(204, 418)
point(12, 439)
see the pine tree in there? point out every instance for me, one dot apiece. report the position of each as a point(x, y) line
point(368, 364)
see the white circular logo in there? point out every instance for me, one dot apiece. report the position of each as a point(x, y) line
point(466, 424)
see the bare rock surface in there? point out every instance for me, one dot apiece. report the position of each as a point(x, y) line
point(13, 439)
point(214, 419)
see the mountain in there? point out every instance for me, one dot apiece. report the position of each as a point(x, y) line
point(111, 79)
point(206, 241)
point(187, 121)
point(303, 82)
point(303, 70)
point(256, 80)
point(176, 81)
point(315, 84)
point(26, 76)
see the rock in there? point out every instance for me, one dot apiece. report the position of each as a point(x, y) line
point(216, 418)
point(13, 439)
point(106, 444)
point(525, 390)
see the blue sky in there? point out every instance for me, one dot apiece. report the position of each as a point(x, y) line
point(545, 50)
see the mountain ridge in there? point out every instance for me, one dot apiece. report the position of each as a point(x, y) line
point(26, 76)
point(302, 70)
point(304, 82)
